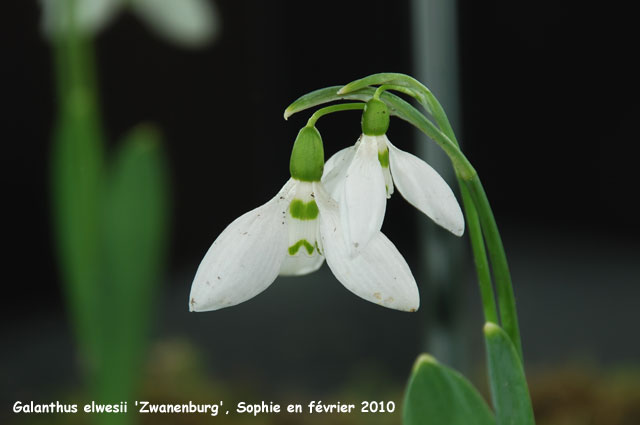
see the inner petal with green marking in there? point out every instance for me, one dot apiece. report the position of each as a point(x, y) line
point(302, 216)
point(383, 158)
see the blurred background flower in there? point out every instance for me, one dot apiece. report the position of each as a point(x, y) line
point(187, 23)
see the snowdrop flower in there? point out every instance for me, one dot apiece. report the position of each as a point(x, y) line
point(363, 176)
point(292, 234)
point(189, 23)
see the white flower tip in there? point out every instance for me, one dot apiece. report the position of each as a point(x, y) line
point(410, 304)
point(459, 230)
point(457, 226)
point(198, 301)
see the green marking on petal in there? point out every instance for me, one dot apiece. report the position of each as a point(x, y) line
point(384, 158)
point(302, 210)
point(293, 249)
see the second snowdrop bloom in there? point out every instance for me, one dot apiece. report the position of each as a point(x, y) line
point(363, 176)
point(187, 23)
point(292, 234)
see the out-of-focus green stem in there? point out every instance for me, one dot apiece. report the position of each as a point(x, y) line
point(77, 177)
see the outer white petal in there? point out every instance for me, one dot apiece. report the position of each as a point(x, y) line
point(423, 188)
point(364, 199)
point(301, 264)
point(378, 274)
point(245, 259)
point(90, 15)
point(189, 23)
point(335, 171)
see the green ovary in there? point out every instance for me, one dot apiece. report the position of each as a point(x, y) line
point(293, 249)
point(302, 210)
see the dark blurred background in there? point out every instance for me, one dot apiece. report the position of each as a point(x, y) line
point(548, 103)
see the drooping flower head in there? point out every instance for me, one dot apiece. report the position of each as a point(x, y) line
point(292, 234)
point(363, 176)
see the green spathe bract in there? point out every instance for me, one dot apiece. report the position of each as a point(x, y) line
point(375, 118)
point(307, 156)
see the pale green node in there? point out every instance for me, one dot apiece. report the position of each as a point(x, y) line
point(303, 210)
point(293, 249)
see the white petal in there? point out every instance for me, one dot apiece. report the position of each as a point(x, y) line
point(423, 188)
point(378, 273)
point(364, 199)
point(301, 264)
point(189, 23)
point(90, 16)
point(335, 171)
point(245, 259)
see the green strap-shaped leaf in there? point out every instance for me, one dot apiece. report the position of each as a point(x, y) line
point(509, 390)
point(135, 236)
point(439, 395)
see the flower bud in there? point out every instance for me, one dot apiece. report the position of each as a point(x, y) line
point(307, 156)
point(375, 118)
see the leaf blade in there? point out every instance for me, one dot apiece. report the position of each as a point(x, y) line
point(135, 235)
point(437, 394)
point(507, 380)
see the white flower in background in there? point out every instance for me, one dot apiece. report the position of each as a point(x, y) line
point(292, 234)
point(363, 176)
point(188, 23)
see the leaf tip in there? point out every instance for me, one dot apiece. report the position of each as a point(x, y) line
point(287, 113)
point(491, 328)
point(424, 360)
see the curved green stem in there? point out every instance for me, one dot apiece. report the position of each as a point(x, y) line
point(484, 214)
point(334, 108)
point(500, 266)
point(479, 255)
point(501, 274)
point(477, 240)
